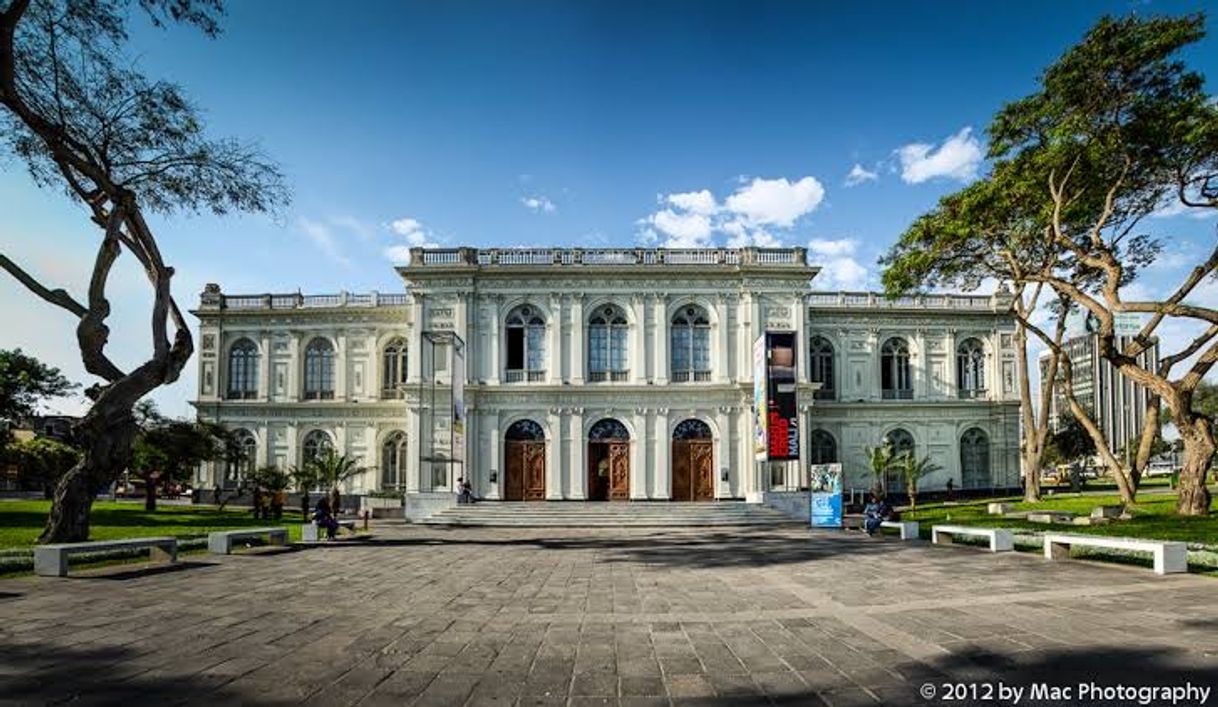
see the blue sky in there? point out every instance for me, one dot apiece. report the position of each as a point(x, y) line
point(566, 123)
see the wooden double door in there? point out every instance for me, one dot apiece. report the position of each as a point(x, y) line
point(609, 471)
point(524, 473)
point(693, 470)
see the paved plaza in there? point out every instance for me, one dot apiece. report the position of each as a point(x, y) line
point(449, 616)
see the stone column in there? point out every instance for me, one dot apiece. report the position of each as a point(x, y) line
point(372, 458)
point(292, 438)
point(496, 325)
point(577, 469)
point(555, 488)
point(723, 451)
point(722, 359)
point(414, 442)
point(496, 435)
point(798, 313)
point(920, 366)
point(951, 385)
point(264, 367)
point(744, 343)
point(577, 341)
point(415, 344)
point(660, 313)
point(662, 483)
point(638, 347)
point(638, 455)
point(342, 362)
point(264, 445)
point(461, 324)
point(374, 376)
point(295, 383)
point(553, 361)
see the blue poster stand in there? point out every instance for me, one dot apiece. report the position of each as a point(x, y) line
point(825, 498)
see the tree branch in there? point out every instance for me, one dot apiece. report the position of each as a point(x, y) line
point(57, 297)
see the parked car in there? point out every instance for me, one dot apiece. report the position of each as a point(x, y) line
point(1161, 468)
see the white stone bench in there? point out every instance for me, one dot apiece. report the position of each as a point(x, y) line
point(907, 528)
point(999, 509)
point(1169, 557)
point(309, 534)
point(52, 560)
point(1001, 539)
point(220, 542)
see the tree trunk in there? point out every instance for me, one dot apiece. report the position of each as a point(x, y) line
point(149, 494)
point(1032, 451)
point(335, 500)
point(105, 435)
point(1193, 497)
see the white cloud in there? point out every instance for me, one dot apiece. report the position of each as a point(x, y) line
point(776, 201)
point(414, 233)
point(398, 253)
point(323, 237)
point(838, 268)
point(957, 158)
point(699, 202)
point(539, 204)
point(684, 230)
point(859, 174)
point(1174, 207)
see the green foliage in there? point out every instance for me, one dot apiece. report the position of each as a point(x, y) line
point(1070, 442)
point(270, 478)
point(912, 469)
point(880, 460)
point(331, 469)
point(41, 461)
point(25, 382)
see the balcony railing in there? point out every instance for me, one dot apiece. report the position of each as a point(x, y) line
point(687, 376)
point(871, 300)
point(521, 376)
point(516, 257)
point(610, 376)
point(903, 394)
point(213, 299)
point(242, 395)
point(971, 393)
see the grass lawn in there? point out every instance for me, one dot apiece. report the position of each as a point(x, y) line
point(1153, 517)
point(22, 521)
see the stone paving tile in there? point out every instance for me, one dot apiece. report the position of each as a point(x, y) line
point(440, 616)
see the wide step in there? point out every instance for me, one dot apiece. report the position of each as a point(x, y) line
point(615, 514)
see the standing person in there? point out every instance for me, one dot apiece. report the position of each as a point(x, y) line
point(218, 497)
point(278, 499)
point(324, 518)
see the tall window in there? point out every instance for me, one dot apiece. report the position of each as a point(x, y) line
point(822, 448)
point(319, 370)
point(690, 353)
point(820, 359)
point(902, 442)
point(970, 369)
point(393, 369)
point(393, 460)
point(316, 443)
point(607, 345)
point(975, 459)
point(242, 464)
point(243, 370)
point(526, 345)
point(895, 381)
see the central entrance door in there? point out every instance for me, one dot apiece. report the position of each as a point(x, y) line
point(693, 462)
point(524, 462)
point(608, 461)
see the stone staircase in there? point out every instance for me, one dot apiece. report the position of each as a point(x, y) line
point(623, 514)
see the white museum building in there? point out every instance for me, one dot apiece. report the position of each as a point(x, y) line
point(606, 374)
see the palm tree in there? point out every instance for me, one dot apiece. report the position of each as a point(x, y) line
point(332, 469)
point(880, 460)
point(305, 477)
point(911, 469)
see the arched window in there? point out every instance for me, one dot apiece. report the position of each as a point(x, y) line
point(319, 370)
point(975, 459)
point(895, 381)
point(243, 370)
point(690, 355)
point(692, 429)
point(243, 460)
point(607, 345)
point(316, 443)
point(822, 448)
point(820, 359)
point(525, 431)
point(526, 345)
point(902, 443)
point(970, 369)
point(393, 460)
point(393, 369)
point(607, 429)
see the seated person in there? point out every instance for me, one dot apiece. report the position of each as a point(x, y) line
point(323, 518)
point(875, 512)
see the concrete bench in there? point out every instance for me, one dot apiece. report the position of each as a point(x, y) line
point(999, 509)
point(309, 534)
point(907, 528)
point(1169, 557)
point(1049, 517)
point(52, 560)
point(221, 541)
point(1001, 540)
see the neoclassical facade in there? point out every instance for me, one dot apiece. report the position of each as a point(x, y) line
point(607, 374)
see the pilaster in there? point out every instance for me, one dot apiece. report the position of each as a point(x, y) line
point(660, 336)
point(554, 481)
point(638, 347)
point(577, 469)
point(577, 339)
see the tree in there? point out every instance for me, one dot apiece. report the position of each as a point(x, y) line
point(271, 478)
point(166, 451)
point(880, 461)
point(912, 469)
point(122, 146)
point(41, 462)
point(1118, 127)
point(305, 478)
point(331, 470)
point(25, 382)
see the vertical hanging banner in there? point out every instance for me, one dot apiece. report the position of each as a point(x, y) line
point(826, 495)
point(776, 427)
